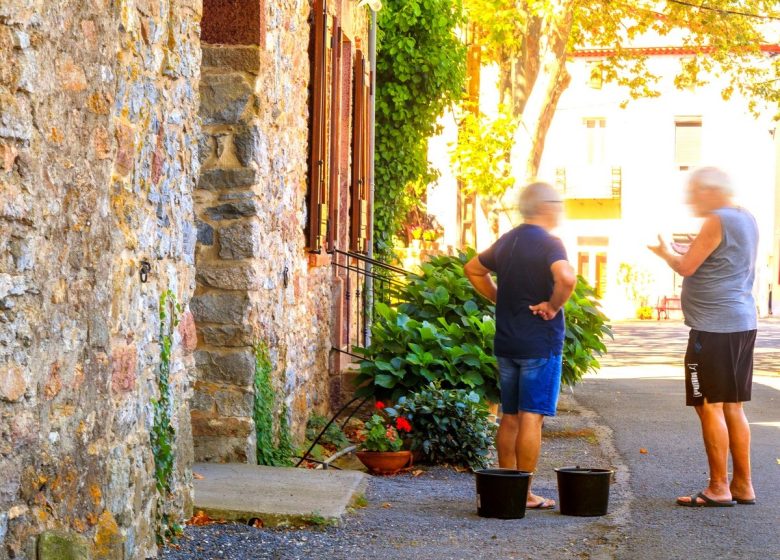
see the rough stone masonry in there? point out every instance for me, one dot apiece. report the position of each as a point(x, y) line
point(98, 160)
point(115, 153)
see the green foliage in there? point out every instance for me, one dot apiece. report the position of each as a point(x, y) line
point(274, 445)
point(380, 435)
point(443, 332)
point(450, 425)
point(420, 71)
point(481, 156)
point(163, 435)
point(586, 329)
point(333, 435)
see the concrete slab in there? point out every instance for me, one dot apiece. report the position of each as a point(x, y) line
point(277, 496)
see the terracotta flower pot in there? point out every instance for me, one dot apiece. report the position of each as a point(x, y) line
point(385, 462)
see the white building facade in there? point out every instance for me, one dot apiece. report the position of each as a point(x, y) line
point(622, 172)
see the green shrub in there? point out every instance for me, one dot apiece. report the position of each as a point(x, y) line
point(442, 332)
point(586, 329)
point(449, 426)
point(333, 435)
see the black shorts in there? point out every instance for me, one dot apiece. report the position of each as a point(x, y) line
point(719, 367)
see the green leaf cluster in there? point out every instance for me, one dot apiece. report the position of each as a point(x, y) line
point(380, 435)
point(451, 426)
point(163, 435)
point(587, 328)
point(442, 332)
point(274, 443)
point(421, 69)
point(333, 435)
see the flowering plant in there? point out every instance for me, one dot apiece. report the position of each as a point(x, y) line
point(381, 431)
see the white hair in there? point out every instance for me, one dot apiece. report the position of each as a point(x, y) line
point(534, 195)
point(712, 178)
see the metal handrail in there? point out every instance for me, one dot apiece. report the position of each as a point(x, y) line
point(372, 261)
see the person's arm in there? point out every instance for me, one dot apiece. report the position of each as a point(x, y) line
point(702, 247)
point(564, 281)
point(479, 275)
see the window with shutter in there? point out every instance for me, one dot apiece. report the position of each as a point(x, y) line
point(319, 162)
point(687, 142)
point(361, 149)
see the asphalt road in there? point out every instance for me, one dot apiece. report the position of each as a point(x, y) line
point(639, 395)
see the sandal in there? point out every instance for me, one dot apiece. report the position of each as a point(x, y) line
point(544, 504)
point(707, 502)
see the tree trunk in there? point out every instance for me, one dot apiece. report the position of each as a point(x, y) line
point(546, 60)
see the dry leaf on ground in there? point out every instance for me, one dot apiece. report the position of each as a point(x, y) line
point(200, 519)
point(643, 451)
point(387, 505)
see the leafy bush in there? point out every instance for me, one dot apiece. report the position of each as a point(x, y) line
point(442, 332)
point(450, 426)
point(586, 329)
point(332, 436)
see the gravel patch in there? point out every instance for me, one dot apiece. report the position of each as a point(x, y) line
point(433, 516)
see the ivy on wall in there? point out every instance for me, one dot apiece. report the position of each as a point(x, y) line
point(421, 69)
point(163, 434)
point(274, 443)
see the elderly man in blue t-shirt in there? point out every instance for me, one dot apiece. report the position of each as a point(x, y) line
point(535, 280)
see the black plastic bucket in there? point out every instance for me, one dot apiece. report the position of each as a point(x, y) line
point(583, 492)
point(502, 493)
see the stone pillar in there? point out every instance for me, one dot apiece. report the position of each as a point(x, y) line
point(228, 275)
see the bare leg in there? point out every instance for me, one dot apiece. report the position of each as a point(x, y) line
point(716, 444)
point(739, 444)
point(528, 447)
point(506, 441)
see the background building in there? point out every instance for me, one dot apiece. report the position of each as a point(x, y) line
point(622, 172)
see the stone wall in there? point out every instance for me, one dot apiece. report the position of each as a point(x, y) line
point(255, 279)
point(98, 136)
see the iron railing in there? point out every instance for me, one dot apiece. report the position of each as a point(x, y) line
point(359, 304)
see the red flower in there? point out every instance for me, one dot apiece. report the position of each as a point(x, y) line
point(379, 405)
point(403, 425)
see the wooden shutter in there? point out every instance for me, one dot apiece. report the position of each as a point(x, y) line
point(335, 133)
point(361, 157)
point(319, 169)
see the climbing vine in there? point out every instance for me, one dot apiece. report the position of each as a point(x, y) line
point(163, 435)
point(274, 443)
point(421, 69)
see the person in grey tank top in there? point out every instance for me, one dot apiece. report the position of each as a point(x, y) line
point(717, 302)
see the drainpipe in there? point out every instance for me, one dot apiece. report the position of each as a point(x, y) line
point(372, 136)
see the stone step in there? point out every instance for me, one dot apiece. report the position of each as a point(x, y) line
point(278, 496)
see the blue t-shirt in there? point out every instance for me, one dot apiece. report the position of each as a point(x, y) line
point(522, 259)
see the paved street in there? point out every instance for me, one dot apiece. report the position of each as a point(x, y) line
point(640, 396)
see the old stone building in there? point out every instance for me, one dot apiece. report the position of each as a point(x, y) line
point(170, 170)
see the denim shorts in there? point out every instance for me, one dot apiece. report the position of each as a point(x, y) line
point(530, 385)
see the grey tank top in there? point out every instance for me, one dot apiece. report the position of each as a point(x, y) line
point(718, 297)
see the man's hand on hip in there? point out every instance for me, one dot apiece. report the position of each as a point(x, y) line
point(544, 310)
